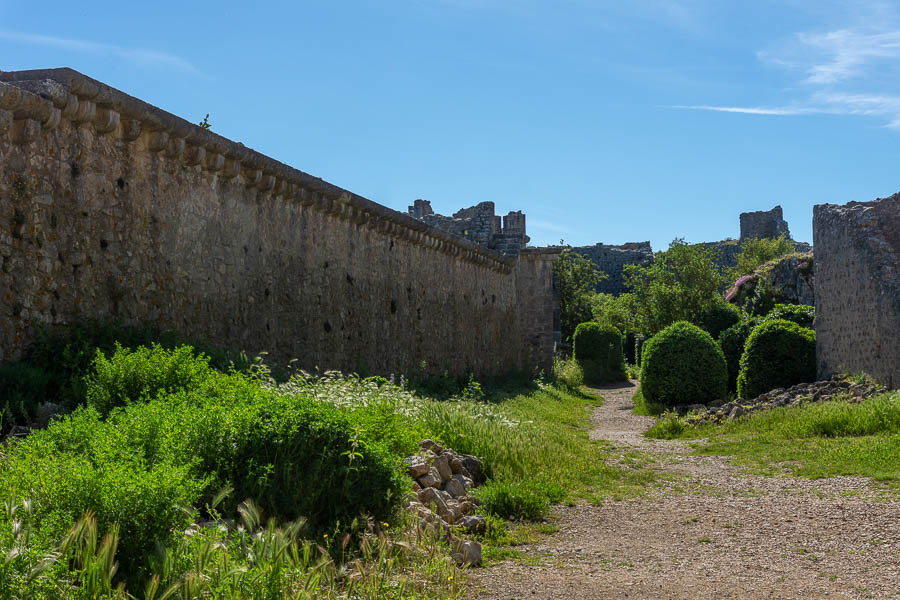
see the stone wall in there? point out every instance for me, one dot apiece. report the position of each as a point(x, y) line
point(479, 224)
point(611, 260)
point(764, 224)
point(110, 207)
point(857, 292)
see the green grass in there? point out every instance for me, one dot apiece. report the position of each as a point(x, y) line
point(646, 408)
point(815, 440)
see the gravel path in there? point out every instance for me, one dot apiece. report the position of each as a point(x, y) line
point(713, 531)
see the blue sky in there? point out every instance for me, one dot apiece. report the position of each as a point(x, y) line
point(603, 121)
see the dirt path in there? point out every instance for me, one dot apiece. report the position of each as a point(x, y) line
point(714, 531)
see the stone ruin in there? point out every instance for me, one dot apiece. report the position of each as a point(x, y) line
point(611, 261)
point(764, 224)
point(857, 291)
point(479, 224)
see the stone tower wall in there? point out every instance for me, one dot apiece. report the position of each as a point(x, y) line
point(857, 291)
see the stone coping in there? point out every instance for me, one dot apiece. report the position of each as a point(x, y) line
point(37, 100)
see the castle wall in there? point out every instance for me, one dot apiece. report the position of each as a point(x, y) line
point(611, 260)
point(857, 291)
point(110, 207)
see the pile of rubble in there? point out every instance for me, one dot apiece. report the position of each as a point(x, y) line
point(820, 391)
point(442, 479)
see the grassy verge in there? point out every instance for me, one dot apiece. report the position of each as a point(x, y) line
point(815, 440)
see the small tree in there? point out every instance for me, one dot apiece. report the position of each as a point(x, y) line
point(578, 279)
point(680, 285)
point(756, 252)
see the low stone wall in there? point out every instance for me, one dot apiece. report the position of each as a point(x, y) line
point(857, 291)
point(110, 207)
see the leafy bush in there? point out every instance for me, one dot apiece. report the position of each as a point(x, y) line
point(578, 278)
point(81, 463)
point(732, 341)
point(568, 373)
point(130, 375)
point(679, 285)
point(519, 500)
point(777, 354)
point(22, 389)
point(683, 365)
point(598, 349)
point(801, 314)
point(756, 252)
point(669, 427)
point(718, 317)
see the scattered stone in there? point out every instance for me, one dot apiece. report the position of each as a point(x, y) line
point(442, 465)
point(416, 465)
point(473, 466)
point(442, 499)
point(430, 445)
point(819, 391)
point(429, 480)
point(455, 488)
point(473, 524)
point(468, 553)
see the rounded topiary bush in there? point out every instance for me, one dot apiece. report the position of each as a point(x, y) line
point(719, 317)
point(682, 365)
point(777, 354)
point(801, 314)
point(598, 349)
point(732, 342)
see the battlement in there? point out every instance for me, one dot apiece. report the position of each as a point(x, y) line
point(479, 224)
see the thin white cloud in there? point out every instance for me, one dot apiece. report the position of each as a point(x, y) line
point(847, 53)
point(147, 57)
point(852, 69)
point(755, 110)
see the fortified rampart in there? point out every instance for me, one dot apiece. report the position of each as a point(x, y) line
point(110, 207)
point(611, 261)
point(479, 224)
point(764, 224)
point(857, 291)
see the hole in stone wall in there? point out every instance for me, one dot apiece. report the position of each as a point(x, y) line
point(267, 292)
point(349, 279)
point(392, 245)
point(246, 249)
point(268, 328)
point(121, 183)
point(56, 294)
point(493, 298)
point(104, 244)
point(52, 221)
point(327, 327)
point(76, 170)
point(393, 306)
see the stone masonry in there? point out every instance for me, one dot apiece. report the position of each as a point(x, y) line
point(479, 224)
point(857, 291)
point(111, 207)
point(611, 261)
point(764, 224)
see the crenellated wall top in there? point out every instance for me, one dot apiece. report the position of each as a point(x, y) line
point(39, 100)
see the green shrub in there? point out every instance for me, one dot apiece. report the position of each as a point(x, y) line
point(732, 342)
point(130, 375)
point(22, 389)
point(568, 373)
point(718, 317)
point(777, 354)
point(801, 314)
point(598, 349)
point(519, 500)
point(668, 427)
point(683, 365)
point(81, 463)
